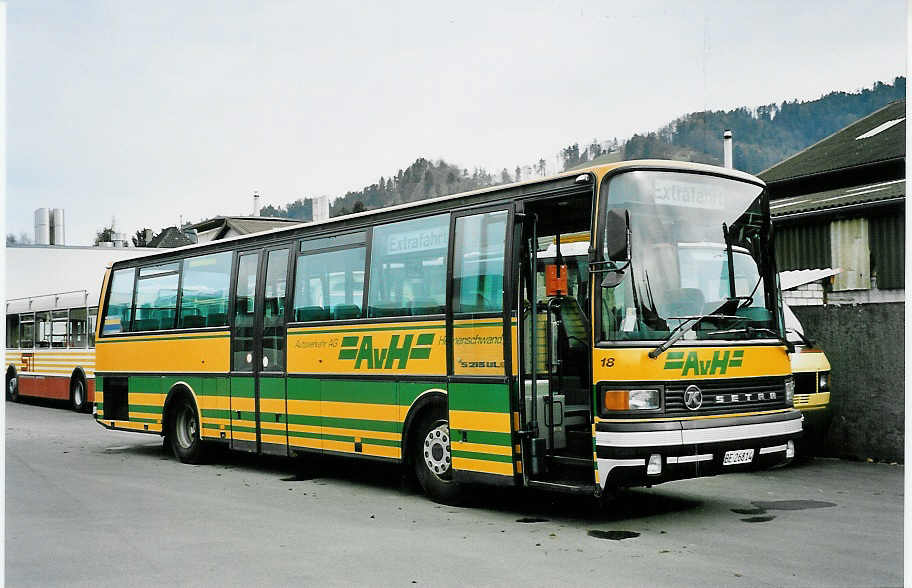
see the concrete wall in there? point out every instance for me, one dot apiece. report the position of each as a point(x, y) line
point(864, 343)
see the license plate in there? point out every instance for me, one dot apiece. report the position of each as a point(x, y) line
point(739, 456)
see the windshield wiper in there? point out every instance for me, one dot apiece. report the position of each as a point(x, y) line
point(689, 323)
point(748, 330)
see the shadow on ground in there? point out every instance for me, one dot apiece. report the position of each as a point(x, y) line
point(526, 505)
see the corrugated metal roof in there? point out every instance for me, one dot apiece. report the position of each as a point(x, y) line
point(839, 198)
point(880, 136)
point(794, 278)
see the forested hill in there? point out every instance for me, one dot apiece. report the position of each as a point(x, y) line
point(763, 136)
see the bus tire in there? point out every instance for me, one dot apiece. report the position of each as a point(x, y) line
point(184, 431)
point(79, 396)
point(431, 457)
point(12, 386)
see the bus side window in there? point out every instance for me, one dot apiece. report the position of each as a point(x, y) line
point(478, 261)
point(42, 330)
point(77, 328)
point(93, 320)
point(204, 291)
point(119, 312)
point(59, 329)
point(12, 331)
point(408, 267)
point(329, 285)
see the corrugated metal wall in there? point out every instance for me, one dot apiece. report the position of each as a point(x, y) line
point(803, 246)
point(888, 234)
point(851, 252)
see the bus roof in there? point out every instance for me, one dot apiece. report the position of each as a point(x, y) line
point(480, 196)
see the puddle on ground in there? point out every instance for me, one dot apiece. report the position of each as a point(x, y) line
point(793, 504)
point(764, 519)
point(613, 535)
point(748, 511)
point(760, 507)
point(531, 520)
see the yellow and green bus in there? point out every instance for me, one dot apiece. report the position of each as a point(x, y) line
point(429, 334)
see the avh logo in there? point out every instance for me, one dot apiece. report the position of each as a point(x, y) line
point(366, 356)
point(692, 364)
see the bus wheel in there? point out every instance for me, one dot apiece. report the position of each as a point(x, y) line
point(12, 387)
point(183, 432)
point(78, 396)
point(432, 460)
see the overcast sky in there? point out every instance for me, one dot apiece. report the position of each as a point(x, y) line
point(145, 111)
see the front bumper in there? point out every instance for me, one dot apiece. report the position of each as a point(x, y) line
point(690, 448)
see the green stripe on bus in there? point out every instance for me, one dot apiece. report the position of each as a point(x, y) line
point(480, 397)
point(384, 442)
point(409, 391)
point(145, 408)
point(243, 429)
point(304, 434)
point(301, 419)
point(363, 424)
point(242, 386)
point(498, 323)
point(145, 384)
point(134, 420)
point(383, 392)
point(483, 456)
point(215, 413)
point(273, 388)
point(485, 437)
point(303, 389)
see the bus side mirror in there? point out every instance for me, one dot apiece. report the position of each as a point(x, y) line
point(617, 235)
point(617, 245)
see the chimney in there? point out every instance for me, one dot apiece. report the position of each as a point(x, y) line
point(147, 236)
point(727, 149)
point(256, 203)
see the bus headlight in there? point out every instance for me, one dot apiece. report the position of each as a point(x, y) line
point(790, 391)
point(623, 400)
point(823, 385)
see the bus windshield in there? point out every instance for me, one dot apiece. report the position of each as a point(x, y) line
point(686, 230)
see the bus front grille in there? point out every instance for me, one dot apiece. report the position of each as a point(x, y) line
point(727, 396)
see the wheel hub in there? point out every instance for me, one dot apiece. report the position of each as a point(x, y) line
point(186, 427)
point(437, 450)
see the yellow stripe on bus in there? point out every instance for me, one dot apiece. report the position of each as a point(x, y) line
point(479, 465)
point(480, 421)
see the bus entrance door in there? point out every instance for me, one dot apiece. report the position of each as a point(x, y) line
point(257, 389)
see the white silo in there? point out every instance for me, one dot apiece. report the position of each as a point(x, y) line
point(42, 227)
point(57, 228)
